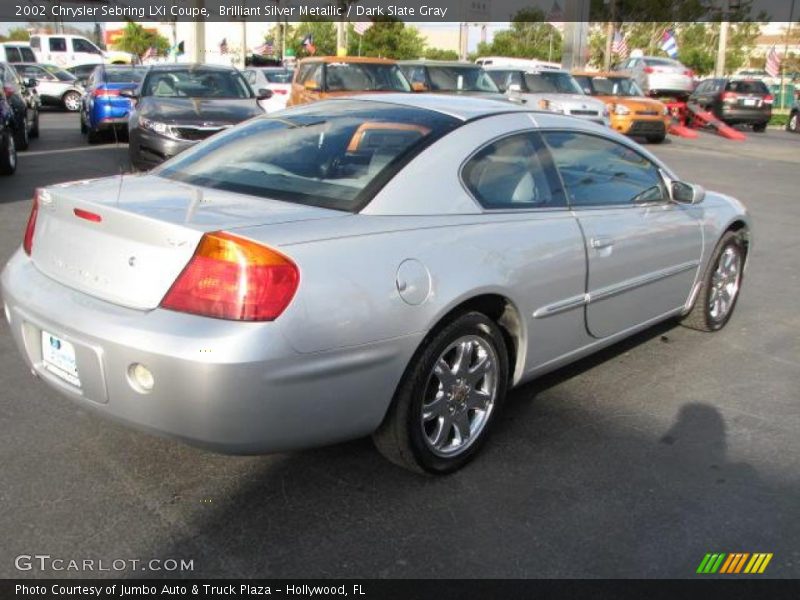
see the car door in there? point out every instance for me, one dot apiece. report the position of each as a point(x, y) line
point(643, 250)
point(84, 52)
point(57, 51)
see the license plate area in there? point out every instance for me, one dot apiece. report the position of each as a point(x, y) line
point(59, 358)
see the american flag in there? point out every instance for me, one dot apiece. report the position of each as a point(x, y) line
point(773, 66)
point(265, 49)
point(149, 53)
point(361, 27)
point(669, 44)
point(223, 46)
point(308, 44)
point(620, 45)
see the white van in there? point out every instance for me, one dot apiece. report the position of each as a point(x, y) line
point(71, 50)
point(16, 52)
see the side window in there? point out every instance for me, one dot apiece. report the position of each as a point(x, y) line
point(513, 173)
point(600, 172)
point(250, 76)
point(27, 55)
point(13, 55)
point(81, 45)
point(58, 44)
point(701, 88)
point(302, 74)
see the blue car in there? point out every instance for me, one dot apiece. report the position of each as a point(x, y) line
point(103, 107)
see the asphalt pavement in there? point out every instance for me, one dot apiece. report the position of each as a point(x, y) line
point(635, 462)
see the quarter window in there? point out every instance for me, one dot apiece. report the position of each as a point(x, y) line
point(597, 171)
point(58, 44)
point(79, 45)
point(513, 173)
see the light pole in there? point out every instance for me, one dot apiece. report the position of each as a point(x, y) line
point(719, 67)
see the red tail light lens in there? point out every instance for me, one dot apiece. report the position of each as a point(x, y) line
point(101, 92)
point(727, 96)
point(649, 70)
point(27, 241)
point(769, 99)
point(8, 90)
point(689, 73)
point(233, 278)
point(281, 92)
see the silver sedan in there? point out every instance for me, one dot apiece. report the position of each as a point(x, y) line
point(388, 265)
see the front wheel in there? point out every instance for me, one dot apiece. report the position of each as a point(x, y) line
point(794, 123)
point(720, 288)
point(72, 101)
point(443, 409)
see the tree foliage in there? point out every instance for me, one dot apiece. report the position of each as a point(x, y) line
point(440, 54)
point(136, 40)
point(389, 38)
point(16, 34)
point(529, 37)
point(323, 32)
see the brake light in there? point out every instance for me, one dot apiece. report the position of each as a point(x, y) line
point(689, 73)
point(233, 278)
point(726, 96)
point(8, 90)
point(27, 241)
point(649, 70)
point(768, 99)
point(102, 92)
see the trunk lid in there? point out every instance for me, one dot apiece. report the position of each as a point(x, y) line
point(147, 231)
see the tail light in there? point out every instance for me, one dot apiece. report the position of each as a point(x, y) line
point(729, 96)
point(281, 92)
point(768, 99)
point(649, 70)
point(102, 92)
point(8, 90)
point(689, 73)
point(27, 241)
point(233, 278)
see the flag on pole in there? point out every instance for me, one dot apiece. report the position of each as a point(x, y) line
point(669, 44)
point(308, 44)
point(223, 46)
point(149, 53)
point(620, 45)
point(361, 27)
point(265, 49)
point(773, 66)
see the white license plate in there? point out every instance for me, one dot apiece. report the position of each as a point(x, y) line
point(750, 101)
point(58, 357)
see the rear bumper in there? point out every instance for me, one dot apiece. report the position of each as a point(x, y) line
point(231, 387)
point(731, 114)
point(106, 115)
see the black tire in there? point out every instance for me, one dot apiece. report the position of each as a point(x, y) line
point(35, 127)
point(21, 137)
point(8, 154)
point(759, 127)
point(84, 129)
point(656, 138)
point(73, 98)
point(401, 436)
point(793, 124)
point(700, 317)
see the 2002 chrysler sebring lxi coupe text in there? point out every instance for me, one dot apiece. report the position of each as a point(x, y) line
point(387, 265)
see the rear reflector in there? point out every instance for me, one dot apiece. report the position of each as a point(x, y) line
point(27, 241)
point(100, 92)
point(89, 216)
point(233, 278)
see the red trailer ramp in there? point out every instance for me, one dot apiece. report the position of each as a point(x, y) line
point(698, 117)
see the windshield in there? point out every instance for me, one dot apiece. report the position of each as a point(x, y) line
point(196, 83)
point(59, 74)
point(333, 154)
point(461, 79)
point(552, 82)
point(609, 86)
point(363, 77)
point(661, 62)
point(123, 75)
point(279, 76)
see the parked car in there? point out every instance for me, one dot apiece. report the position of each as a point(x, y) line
point(793, 124)
point(55, 86)
point(180, 105)
point(450, 77)
point(758, 74)
point(331, 76)
point(67, 50)
point(631, 113)
point(24, 101)
point(104, 108)
point(736, 101)
point(16, 52)
point(82, 72)
point(548, 89)
point(659, 76)
point(8, 149)
point(292, 282)
point(276, 79)
point(520, 63)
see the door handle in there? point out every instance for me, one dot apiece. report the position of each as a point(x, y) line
point(599, 243)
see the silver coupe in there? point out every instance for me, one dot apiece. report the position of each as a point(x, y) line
point(388, 265)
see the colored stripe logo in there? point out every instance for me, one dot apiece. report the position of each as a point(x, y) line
point(734, 563)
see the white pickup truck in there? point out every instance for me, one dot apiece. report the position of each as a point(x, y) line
point(67, 51)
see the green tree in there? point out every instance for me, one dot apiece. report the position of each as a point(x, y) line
point(323, 31)
point(388, 38)
point(529, 37)
point(136, 40)
point(440, 54)
point(18, 34)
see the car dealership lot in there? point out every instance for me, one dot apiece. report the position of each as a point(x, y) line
point(635, 462)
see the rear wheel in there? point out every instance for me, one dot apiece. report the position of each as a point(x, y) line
point(8, 154)
point(71, 101)
point(760, 127)
point(722, 282)
point(84, 129)
point(35, 125)
point(793, 124)
point(21, 138)
point(447, 400)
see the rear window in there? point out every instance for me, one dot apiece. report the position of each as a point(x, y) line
point(13, 55)
point(661, 62)
point(460, 79)
point(279, 76)
point(334, 154)
point(747, 87)
point(362, 77)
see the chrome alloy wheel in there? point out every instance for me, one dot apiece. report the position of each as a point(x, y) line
point(459, 396)
point(72, 101)
point(725, 284)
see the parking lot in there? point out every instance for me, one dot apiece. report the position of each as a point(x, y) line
point(632, 463)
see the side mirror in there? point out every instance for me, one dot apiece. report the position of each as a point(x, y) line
point(130, 94)
point(514, 88)
point(263, 94)
point(311, 86)
point(31, 83)
point(687, 193)
point(418, 86)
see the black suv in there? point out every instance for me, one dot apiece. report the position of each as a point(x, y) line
point(25, 103)
point(735, 101)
